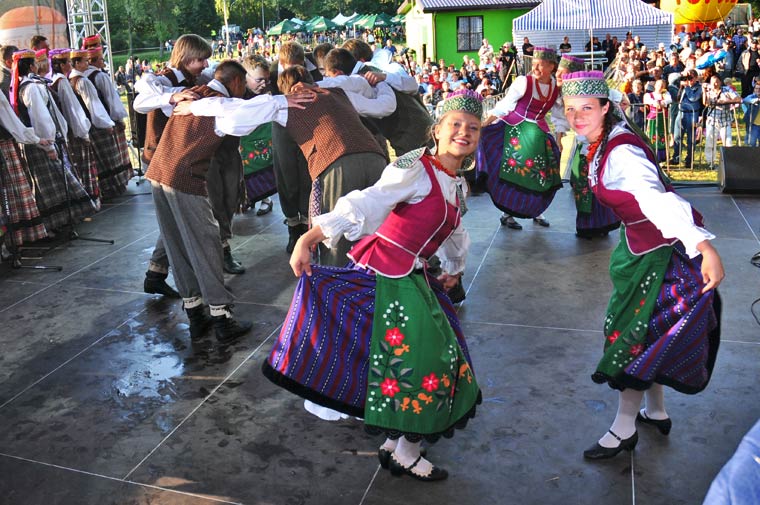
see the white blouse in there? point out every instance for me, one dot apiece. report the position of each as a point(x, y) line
point(517, 90)
point(369, 101)
point(155, 91)
point(13, 124)
point(71, 108)
point(43, 113)
point(98, 115)
point(629, 169)
point(361, 213)
point(109, 92)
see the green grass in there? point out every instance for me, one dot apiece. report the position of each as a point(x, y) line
point(151, 56)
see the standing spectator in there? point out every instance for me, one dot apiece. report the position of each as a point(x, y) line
point(121, 78)
point(390, 47)
point(527, 48)
point(674, 66)
point(748, 66)
point(689, 107)
point(39, 42)
point(638, 109)
point(752, 117)
point(718, 100)
point(565, 46)
point(485, 51)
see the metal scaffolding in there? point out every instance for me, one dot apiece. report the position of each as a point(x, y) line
point(88, 17)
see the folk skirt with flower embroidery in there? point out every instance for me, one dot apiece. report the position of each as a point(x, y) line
point(660, 327)
point(520, 165)
point(404, 367)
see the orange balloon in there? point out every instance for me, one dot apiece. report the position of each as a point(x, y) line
point(687, 12)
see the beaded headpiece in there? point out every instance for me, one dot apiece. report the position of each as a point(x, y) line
point(464, 100)
point(572, 63)
point(22, 54)
point(60, 54)
point(41, 55)
point(545, 53)
point(94, 52)
point(586, 84)
point(79, 53)
point(92, 41)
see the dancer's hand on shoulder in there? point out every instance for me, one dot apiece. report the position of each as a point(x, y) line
point(298, 99)
point(183, 96)
point(712, 266)
point(183, 108)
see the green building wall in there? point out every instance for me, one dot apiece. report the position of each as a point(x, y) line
point(497, 28)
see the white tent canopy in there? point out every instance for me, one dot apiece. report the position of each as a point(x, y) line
point(548, 23)
point(340, 19)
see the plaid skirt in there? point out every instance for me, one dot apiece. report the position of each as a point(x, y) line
point(507, 197)
point(83, 161)
point(18, 202)
point(113, 176)
point(120, 134)
point(51, 190)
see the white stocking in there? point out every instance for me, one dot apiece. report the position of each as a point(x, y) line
point(407, 453)
point(624, 424)
point(655, 397)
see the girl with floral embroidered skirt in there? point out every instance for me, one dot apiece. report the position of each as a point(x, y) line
point(663, 319)
point(381, 340)
point(518, 156)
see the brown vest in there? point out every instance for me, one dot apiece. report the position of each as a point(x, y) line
point(184, 153)
point(156, 119)
point(328, 129)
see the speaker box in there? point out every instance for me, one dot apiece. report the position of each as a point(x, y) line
point(739, 169)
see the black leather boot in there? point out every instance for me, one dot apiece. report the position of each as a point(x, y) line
point(231, 265)
point(294, 233)
point(155, 284)
point(200, 322)
point(227, 329)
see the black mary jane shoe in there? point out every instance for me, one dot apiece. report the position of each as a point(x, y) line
point(397, 470)
point(664, 425)
point(541, 222)
point(599, 452)
point(509, 222)
point(384, 456)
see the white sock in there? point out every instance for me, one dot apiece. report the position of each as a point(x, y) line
point(540, 216)
point(655, 408)
point(389, 444)
point(624, 424)
point(407, 453)
point(219, 310)
point(192, 302)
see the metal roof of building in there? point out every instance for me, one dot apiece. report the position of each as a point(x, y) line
point(451, 5)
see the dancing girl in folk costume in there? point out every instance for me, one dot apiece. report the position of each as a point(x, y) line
point(381, 340)
point(517, 154)
point(592, 218)
point(663, 319)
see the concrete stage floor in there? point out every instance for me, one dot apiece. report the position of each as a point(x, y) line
point(103, 399)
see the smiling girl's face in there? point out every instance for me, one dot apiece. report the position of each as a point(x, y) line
point(586, 116)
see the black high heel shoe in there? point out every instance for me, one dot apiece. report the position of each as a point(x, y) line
point(397, 470)
point(599, 452)
point(384, 456)
point(664, 425)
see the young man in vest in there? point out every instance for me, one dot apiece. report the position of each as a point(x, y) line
point(406, 129)
point(156, 96)
point(342, 154)
point(290, 168)
point(177, 173)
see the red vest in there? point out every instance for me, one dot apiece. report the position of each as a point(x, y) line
point(410, 231)
point(642, 235)
point(532, 108)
